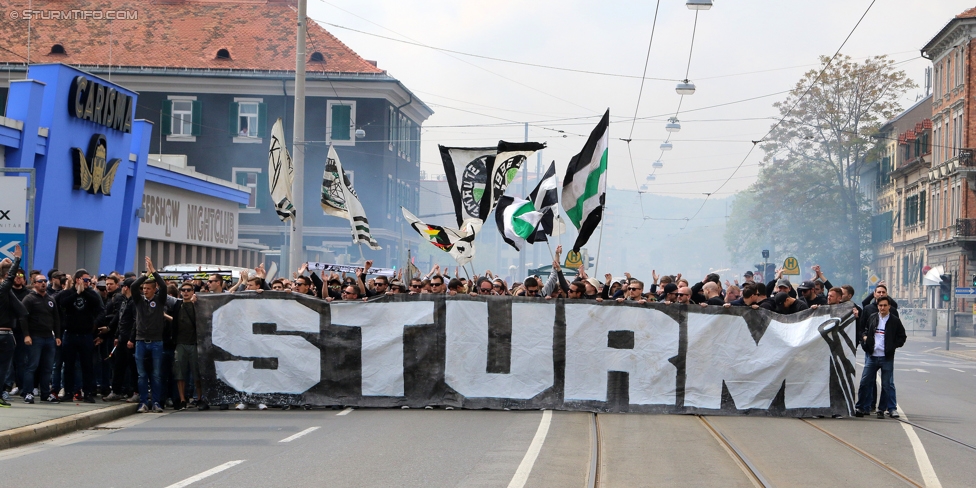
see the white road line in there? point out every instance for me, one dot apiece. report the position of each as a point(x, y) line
point(207, 473)
point(347, 411)
point(959, 370)
point(525, 467)
point(296, 436)
point(924, 464)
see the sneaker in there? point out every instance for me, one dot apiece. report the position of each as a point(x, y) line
point(181, 405)
point(77, 397)
point(858, 413)
point(133, 399)
point(893, 414)
point(169, 403)
point(262, 406)
point(61, 393)
point(29, 398)
point(88, 399)
point(202, 407)
point(112, 397)
point(142, 408)
point(14, 391)
point(3, 403)
point(192, 403)
point(241, 406)
point(157, 408)
point(5, 396)
point(36, 392)
point(52, 398)
point(881, 414)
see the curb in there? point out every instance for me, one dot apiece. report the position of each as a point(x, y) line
point(64, 425)
point(951, 354)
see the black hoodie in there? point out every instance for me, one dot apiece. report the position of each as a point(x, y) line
point(80, 311)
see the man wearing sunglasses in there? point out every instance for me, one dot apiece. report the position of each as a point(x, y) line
point(415, 286)
point(633, 292)
point(215, 284)
point(185, 357)
point(437, 284)
point(42, 337)
point(683, 296)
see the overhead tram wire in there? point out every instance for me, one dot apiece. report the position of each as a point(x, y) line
point(467, 62)
point(640, 94)
point(788, 112)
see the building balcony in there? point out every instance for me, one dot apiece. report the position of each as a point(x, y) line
point(966, 229)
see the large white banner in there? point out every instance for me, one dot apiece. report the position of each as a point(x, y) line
point(13, 215)
point(503, 352)
point(176, 215)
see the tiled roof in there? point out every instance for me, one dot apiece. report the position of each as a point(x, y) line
point(967, 14)
point(258, 34)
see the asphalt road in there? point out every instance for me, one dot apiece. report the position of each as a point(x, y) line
point(432, 448)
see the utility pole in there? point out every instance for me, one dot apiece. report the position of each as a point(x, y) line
point(296, 254)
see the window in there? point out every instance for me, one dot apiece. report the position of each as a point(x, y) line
point(957, 134)
point(911, 210)
point(181, 118)
point(391, 209)
point(340, 123)
point(248, 120)
point(251, 178)
point(393, 130)
point(921, 206)
point(881, 226)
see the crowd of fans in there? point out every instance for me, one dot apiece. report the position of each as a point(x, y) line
point(133, 338)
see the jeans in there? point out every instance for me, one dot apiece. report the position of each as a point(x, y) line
point(40, 364)
point(866, 392)
point(154, 351)
point(7, 346)
point(169, 384)
point(75, 348)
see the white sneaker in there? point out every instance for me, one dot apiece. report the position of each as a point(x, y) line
point(241, 406)
point(14, 391)
point(36, 392)
point(61, 393)
point(262, 406)
point(133, 399)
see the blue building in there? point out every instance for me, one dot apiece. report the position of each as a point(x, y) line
point(212, 77)
point(96, 192)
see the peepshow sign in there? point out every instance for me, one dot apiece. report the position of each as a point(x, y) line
point(502, 352)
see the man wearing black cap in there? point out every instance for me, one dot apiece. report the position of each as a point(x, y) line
point(786, 305)
point(808, 291)
point(669, 294)
point(749, 277)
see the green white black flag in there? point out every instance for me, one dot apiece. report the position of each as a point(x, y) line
point(339, 199)
point(517, 220)
point(585, 184)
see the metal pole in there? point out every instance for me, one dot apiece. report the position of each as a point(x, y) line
point(525, 183)
point(298, 145)
point(950, 317)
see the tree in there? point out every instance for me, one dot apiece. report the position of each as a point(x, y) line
point(807, 199)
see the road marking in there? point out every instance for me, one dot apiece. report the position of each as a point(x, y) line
point(296, 436)
point(525, 467)
point(959, 370)
point(347, 411)
point(924, 464)
point(205, 474)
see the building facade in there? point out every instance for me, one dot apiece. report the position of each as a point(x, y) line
point(214, 77)
point(951, 205)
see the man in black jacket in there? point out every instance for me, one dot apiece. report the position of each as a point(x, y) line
point(42, 337)
point(8, 317)
point(149, 300)
point(124, 366)
point(81, 306)
point(884, 334)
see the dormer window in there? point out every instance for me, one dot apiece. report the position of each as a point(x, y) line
point(223, 54)
point(317, 57)
point(58, 49)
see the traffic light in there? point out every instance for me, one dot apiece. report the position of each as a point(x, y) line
point(945, 287)
point(974, 281)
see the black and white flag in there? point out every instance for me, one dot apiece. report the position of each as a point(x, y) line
point(281, 173)
point(466, 169)
point(545, 198)
point(504, 167)
point(339, 199)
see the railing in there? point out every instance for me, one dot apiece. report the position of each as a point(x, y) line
point(965, 227)
point(966, 158)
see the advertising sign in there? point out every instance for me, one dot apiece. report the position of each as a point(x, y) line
point(13, 215)
point(176, 215)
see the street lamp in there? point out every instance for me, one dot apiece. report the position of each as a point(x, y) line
point(698, 4)
point(686, 87)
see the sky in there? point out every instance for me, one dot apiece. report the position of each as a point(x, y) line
point(746, 55)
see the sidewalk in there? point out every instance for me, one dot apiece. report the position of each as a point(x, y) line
point(959, 347)
point(23, 424)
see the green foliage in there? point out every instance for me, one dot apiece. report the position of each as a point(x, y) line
point(807, 201)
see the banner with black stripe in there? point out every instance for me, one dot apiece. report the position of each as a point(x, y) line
point(281, 348)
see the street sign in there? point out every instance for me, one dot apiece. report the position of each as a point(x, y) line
point(791, 266)
point(965, 292)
